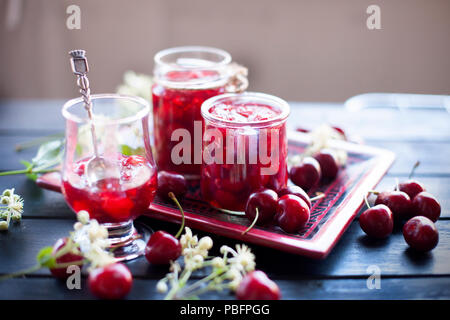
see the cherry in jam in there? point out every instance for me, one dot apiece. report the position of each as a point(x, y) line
point(228, 184)
point(178, 108)
point(112, 200)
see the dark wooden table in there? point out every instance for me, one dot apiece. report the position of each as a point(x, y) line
point(419, 135)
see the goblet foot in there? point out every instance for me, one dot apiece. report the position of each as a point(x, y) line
point(127, 241)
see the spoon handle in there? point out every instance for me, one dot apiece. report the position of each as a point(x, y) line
point(80, 68)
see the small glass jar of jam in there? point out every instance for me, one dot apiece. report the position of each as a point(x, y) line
point(184, 78)
point(244, 147)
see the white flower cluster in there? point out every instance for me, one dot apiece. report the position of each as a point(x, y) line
point(242, 261)
point(194, 251)
point(320, 139)
point(92, 239)
point(136, 84)
point(11, 208)
point(227, 270)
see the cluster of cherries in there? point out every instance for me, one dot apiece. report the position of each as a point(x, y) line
point(114, 281)
point(290, 207)
point(409, 201)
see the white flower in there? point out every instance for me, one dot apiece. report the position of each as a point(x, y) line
point(186, 238)
point(218, 262)
point(205, 243)
point(198, 259)
point(161, 286)
point(175, 267)
point(83, 216)
point(12, 209)
point(3, 225)
point(245, 257)
point(92, 239)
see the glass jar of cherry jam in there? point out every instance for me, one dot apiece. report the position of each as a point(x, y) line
point(244, 147)
point(184, 78)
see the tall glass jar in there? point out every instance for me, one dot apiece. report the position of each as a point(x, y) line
point(244, 147)
point(184, 78)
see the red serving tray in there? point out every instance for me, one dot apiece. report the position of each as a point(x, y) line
point(330, 216)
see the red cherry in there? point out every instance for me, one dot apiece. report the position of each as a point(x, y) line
point(398, 201)
point(296, 191)
point(377, 222)
point(266, 202)
point(421, 234)
point(257, 286)
point(67, 258)
point(162, 247)
point(111, 282)
point(411, 188)
point(307, 174)
point(292, 214)
point(424, 204)
point(328, 163)
point(171, 182)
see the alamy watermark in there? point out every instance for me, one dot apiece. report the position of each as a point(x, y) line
point(373, 22)
point(374, 280)
point(239, 146)
point(73, 21)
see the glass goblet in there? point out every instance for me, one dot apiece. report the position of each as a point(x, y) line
point(124, 189)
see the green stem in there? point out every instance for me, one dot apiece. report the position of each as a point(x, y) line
point(174, 290)
point(319, 195)
point(172, 196)
point(200, 291)
point(253, 223)
point(25, 171)
point(367, 200)
point(68, 264)
point(411, 174)
point(21, 273)
point(201, 281)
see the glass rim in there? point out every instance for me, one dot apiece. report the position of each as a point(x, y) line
point(270, 99)
point(158, 58)
point(127, 119)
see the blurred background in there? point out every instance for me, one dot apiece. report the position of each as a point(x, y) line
point(296, 49)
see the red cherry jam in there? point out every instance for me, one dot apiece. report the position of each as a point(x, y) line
point(185, 77)
point(112, 200)
point(245, 136)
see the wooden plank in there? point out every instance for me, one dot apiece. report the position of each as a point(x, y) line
point(21, 115)
point(433, 155)
point(370, 124)
point(320, 289)
point(351, 256)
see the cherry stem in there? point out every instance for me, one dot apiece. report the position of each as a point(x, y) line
point(319, 195)
point(172, 196)
point(374, 192)
point(367, 200)
point(411, 174)
point(397, 187)
point(253, 223)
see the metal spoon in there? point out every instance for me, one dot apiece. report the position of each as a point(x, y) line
point(97, 168)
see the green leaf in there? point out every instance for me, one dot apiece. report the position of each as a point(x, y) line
point(48, 155)
point(31, 176)
point(27, 164)
point(45, 257)
point(126, 150)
